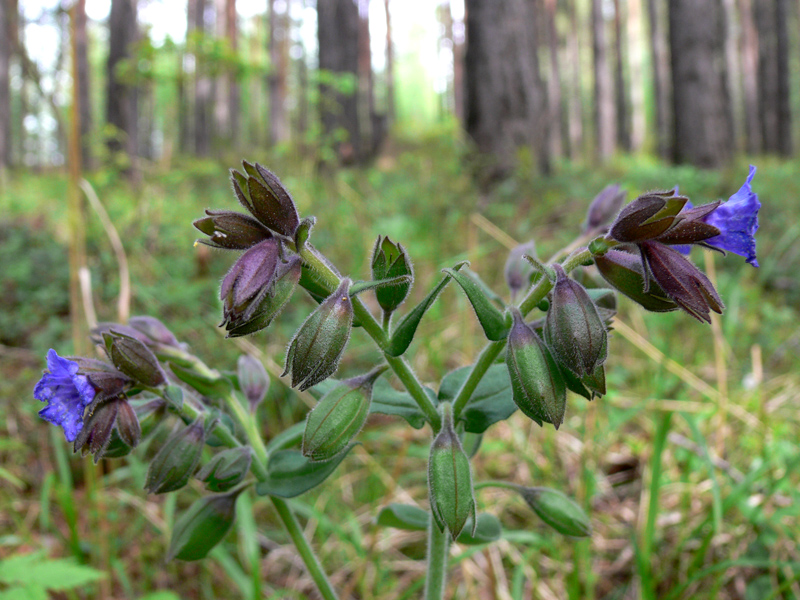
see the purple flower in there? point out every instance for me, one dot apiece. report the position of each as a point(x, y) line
point(66, 392)
point(737, 220)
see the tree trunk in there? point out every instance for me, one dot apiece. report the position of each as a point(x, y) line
point(749, 62)
point(605, 125)
point(575, 103)
point(773, 75)
point(203, 87)
point(554, 83)
point(369, 122)
point(338, 26)
point(621, 90)
point(389, 65)
point(661, 80)
point(504, 100)
point(279, 57)
point(733, 75)
point(784, 92)
point(121, 110)
point(5, 87)
point(83, 96)
point(700, 102)
point(636, 53)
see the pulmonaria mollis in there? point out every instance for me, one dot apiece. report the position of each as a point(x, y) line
point(67, 393)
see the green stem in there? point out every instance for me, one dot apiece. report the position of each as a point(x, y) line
point(496, 484)
point(249, 426)
point(368, 322)
point(438, 551)
point(306, 552)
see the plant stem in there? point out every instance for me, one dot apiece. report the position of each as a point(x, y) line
point(438, 551)
point(496, 484)
point(306, 552)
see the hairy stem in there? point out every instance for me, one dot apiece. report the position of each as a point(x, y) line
point(438, 550)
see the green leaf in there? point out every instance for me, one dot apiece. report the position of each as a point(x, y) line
point(487, 530)
point(322, 388)
point(492, 400)
point(27, 592)
point(291, 474)
point(403, 516)
point(287, 437)
point(490, 317)
point(55, 575)
point(362, 286)
point(404, 332)
point(212, 386)
point(388, 401)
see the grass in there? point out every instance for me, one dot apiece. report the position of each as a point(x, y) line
point(688, 466)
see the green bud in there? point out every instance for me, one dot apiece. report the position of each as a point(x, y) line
point(536, 382)
point(227, 469)
point(338, 417)
point(450, 479)
point(390, 260)
point(253, 380)
point(132, 358)
point(316, 348)
point(574, 330)
point(558, 510)
point(176, 461)
point(203, 526)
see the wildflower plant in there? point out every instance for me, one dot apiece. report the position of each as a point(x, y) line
point(548, 342)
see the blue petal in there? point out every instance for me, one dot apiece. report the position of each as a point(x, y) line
point(67, 393)
point(737, 219)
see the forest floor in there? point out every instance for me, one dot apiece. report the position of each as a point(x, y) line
point(713, 409)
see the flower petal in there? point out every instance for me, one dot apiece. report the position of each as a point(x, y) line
point(737, 219)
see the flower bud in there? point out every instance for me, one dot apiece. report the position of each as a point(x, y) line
point(97, 427)
point(390, 260)
point(574, 330)
point(226, 469)
point(203, 526)
point(263, 194)
point(267, 305)
point(450, 479)
point(536, 382)
point(177, 459)
point(248, 281)
point(133, 358)
point(230, 230)
point(338, 417)
point(604, 207)
point(558, 510)
point(155, 331)
point(518, 271)
point(647, 217)
point(253, 380)
point(316, 348)
point(625, 272)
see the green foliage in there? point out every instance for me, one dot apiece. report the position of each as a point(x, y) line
point(32, 576)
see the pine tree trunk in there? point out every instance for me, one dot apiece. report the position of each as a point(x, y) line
point(203, 86)
point(749, 62)
point(621, 90)
point(554, 83)
point(83, 95)
point(733, 74)
point(279, 57)
point(784, 93)
point(338, 26)
point(505, 105)
point(5, 87)
point(636, 53)
point(575, 103)
point(700, 102)
point(605, 124)
point(661, 77)
point(390, 104)
point(121, 105)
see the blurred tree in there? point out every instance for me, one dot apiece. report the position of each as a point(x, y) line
point(83, 98)
point(575, 103)
point(505, 105)
point(636, 58)
point(372, 124)
point(5, 87)
point(621, 88)
point(773, 75)
point(390, 111)
point(749, 62)
point(277, 79)
point(700, 101)
point(203, 87)
point(121, 105)
point(338, 27)
point(226, 106)
point(554, 81)
point(604, 121)
point(661, 80)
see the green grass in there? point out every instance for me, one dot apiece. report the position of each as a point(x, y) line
point(670, 519)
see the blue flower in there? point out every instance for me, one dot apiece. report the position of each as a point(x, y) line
point(66, 392)
point(737, 220)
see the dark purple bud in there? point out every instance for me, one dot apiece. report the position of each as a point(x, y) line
point(253, 380)
point(133, 359)
point(604, 206)
point(690, 227)
point(263, 194)
point(647, 217)
point(96, 432)
point(574, 330)
point(128, 426)
point(176, 461)
point(316, 348)
point(269, 303)
point(518, 271)
point(390, 260)
point(230, 230)
point(684, 283)
point(154, 330)
point(249, 279)
point(624, 271)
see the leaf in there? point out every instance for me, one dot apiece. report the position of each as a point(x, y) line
point(214, 387)
point(55, 575)
point(388, 401)
point(287, 437)
point(290, 474)
point(403, 516)
point(490, 317)
point(403, 334)
point(492, 400)
point(487, 530)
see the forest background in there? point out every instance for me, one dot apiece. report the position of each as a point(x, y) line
point(459, 129)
